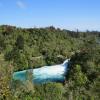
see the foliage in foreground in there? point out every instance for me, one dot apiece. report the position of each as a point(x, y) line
point(30, 48)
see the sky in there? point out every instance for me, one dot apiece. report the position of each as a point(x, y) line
point(65, 14)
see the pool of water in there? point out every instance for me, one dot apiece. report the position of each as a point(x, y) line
point(54, 73)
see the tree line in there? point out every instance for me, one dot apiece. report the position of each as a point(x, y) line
point(26, 48)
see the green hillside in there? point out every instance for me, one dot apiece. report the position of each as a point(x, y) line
point(25, 48)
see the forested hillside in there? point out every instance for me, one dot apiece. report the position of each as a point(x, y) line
point(22, 48)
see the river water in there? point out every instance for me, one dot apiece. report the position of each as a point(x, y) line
point(54, 73)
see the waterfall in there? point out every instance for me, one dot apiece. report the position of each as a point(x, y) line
point(54, 73)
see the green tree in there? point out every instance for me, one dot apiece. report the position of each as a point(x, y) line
point(20, 42)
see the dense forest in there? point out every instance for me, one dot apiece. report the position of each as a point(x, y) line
point(26, 48)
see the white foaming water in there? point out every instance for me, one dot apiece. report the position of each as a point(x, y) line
point(54, 73)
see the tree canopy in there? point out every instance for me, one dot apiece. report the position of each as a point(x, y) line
point(22, 48)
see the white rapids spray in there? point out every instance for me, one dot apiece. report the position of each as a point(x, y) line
point(54, 73)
